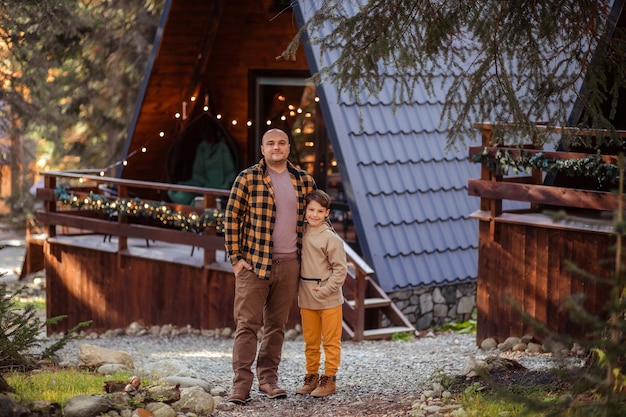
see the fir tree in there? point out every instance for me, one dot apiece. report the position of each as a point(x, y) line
point(498, 61)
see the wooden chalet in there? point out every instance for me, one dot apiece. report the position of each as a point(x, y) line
point(214, 80)
point(121, 247)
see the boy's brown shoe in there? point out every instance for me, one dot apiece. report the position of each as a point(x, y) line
point(271, 390)
point(325, 386)
point(310, 383)
point(239, 396)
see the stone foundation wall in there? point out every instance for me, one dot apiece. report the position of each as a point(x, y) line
point(431, 307)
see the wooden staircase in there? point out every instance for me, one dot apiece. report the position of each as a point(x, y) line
point(367, 304)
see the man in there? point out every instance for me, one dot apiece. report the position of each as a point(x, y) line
point(263, 229)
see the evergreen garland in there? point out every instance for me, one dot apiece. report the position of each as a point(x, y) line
point(590, 166)
point(135, 207)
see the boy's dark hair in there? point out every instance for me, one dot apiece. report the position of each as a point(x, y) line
point(320, 196)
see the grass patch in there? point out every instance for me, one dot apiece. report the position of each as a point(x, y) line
point(38, 303)
point(466, 327)
point(478, 402)
point(402, 336)
point(57, 385)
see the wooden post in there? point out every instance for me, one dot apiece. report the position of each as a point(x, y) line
point(359, 305)
point(122, 241)
point(50, 206)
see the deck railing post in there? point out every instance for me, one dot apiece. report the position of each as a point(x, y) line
point(50, 182)
point(359, 305)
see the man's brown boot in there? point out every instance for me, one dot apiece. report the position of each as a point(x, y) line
point(325, 386)
point(239, 396)
point(310, 383)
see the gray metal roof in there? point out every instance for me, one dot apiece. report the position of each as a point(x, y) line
point(407, 194)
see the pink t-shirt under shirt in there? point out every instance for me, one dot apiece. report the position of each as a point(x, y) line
point(284, 235)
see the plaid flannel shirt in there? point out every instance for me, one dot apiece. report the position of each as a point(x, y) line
point(250, 215)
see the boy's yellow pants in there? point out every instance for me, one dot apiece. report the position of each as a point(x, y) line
point(322, 328)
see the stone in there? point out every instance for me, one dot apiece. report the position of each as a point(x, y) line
point(85, 405)
point(519, 347)
point(426, 303)
point(142, 412)
point(133, 328)
point(195, 400)
point(425, 321)
point(438, 297)
point(166, 330)
point(112, 368)
point(466, 305)
point(167, 368)
point(10, 408)
point(91, 356)
point(488, 344)
point(161, 410)
point(186, 382)
point(509, 343)
point(440, 310)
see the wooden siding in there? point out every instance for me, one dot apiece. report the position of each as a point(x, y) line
point(206, 47)
point(526, 266)
point(89, 283)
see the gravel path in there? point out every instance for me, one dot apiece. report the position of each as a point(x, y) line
point(376, 378)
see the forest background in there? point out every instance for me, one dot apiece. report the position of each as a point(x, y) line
point(70, 72)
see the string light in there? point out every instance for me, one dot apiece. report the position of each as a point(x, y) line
point(293, 111)
point(159, 211)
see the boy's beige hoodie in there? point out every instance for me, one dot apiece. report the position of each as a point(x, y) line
point(323, 264)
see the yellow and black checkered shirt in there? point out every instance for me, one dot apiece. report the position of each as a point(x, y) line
point(251, 214)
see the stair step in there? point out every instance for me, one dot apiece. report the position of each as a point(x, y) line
point(385, 332)
point(372, 302)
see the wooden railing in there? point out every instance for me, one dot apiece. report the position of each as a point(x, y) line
point(493, 187)
point(54, 214)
